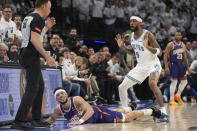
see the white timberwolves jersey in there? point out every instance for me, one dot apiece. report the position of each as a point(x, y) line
point(143, 55)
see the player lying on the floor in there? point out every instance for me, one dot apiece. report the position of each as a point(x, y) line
point(77, 111)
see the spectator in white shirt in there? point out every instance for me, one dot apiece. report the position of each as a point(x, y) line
point(167, 17)
point(119, 24)
point(96, 27)
point(181, 21)
point(8, 26)
point(193, 50)
point(132, 9)
point(161, 5)
point(83, 7)
point(110, 18)
point(18, 22)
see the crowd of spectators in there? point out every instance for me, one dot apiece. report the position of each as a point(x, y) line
point(97, 74)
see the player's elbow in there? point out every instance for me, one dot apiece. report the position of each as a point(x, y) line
point(160, 53)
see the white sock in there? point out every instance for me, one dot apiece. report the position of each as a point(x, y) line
point(172, 88)
point(147, 112)
point(163, 110)
point(181, 87)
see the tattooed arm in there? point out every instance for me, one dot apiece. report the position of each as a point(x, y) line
point(151, 44)
point(120, 43)
point(82, 106)
point(55, 115)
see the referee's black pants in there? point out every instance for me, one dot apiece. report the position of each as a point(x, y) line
point(33, 93)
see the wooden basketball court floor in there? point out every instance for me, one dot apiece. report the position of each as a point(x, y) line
point(181, 118)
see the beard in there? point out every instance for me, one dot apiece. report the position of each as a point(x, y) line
point(135, 29)
point(177, 39)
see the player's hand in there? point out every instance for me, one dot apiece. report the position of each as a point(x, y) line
point(190, 71)
point(167, 70)
point(50, 22)
point(74, 123)
point(119, 40)
point(51, 62)
point(145, 39)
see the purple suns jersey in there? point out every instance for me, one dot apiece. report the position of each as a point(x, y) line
point(101, 114)
point(176, 55)
point(176, 65)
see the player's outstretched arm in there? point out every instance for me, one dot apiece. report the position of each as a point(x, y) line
point(55, 115)
point(169, 47)
point(121, 45)
point(82, 106)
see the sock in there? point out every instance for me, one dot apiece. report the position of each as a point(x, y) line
point(172, 88)
point(181, 87)
point(163, 110)
point(147, 112)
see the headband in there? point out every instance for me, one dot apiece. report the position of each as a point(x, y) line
point(136, 18)
point(58, 91)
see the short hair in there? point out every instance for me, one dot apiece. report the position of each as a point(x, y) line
point(65, 50)
point(57, 89)
point(17, 15)
point(39, 3)
point(73, 28)
point(7, 6)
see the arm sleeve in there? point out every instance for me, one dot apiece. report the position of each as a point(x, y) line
point(37, 25)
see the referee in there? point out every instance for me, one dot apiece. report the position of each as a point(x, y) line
point(33, 28)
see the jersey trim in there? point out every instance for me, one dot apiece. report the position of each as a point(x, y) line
point(37, 29)
point(133, 79)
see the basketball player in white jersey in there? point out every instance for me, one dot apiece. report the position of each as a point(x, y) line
point(146, 50)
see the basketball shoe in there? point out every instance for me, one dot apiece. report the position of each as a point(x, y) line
point(172, 102)
point(133, 105)
point(178, 98)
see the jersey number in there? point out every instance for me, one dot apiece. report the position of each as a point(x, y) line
point(25, 23)
point(179, 56)
point(137, 54)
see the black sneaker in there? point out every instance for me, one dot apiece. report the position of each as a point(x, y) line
point(40, 124)
point(21, 125)
point(156, 112)
point(133, 105)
